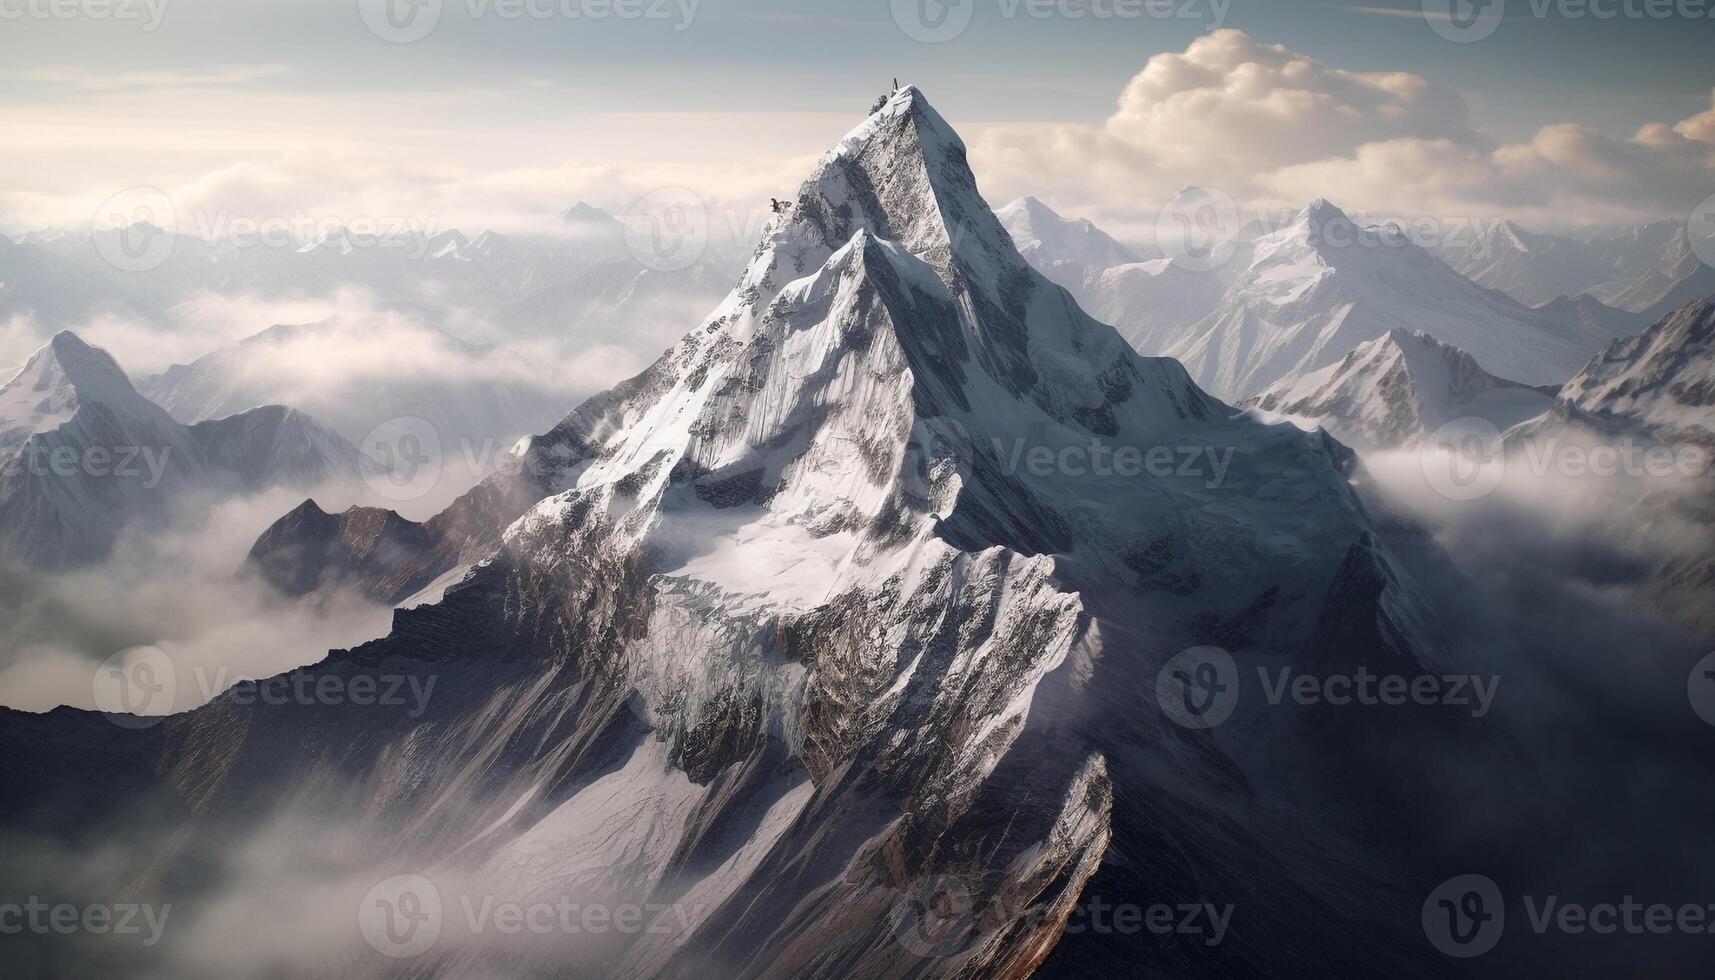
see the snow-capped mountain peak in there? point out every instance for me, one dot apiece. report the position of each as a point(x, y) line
point(1323, 284)
point(1392, 391)
point(56, 381)
point(1059, 247)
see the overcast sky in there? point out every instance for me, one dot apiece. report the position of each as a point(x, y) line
point(264, 106)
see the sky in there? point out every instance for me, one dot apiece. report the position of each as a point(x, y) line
point(504, 112)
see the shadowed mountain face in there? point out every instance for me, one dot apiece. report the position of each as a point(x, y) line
point(846, 633)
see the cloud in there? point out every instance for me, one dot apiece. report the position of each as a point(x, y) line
point(180, 591)
point(1273, 127)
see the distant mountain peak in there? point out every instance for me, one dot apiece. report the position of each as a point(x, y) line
point(583, 213)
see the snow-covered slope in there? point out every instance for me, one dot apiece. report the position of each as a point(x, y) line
point(1662, 380)
point(83, 455)
point(1321, 286)
point(1392, 391)
point(796, 643)
point(1060, 247)
point(1153, 302)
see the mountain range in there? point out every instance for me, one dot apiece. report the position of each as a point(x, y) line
point(1649, 269)
point(865, 631)
point(83, 456)
point(787, 613)
point(1391, 392)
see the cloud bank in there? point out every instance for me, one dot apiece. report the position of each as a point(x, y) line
point(1273, 127)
